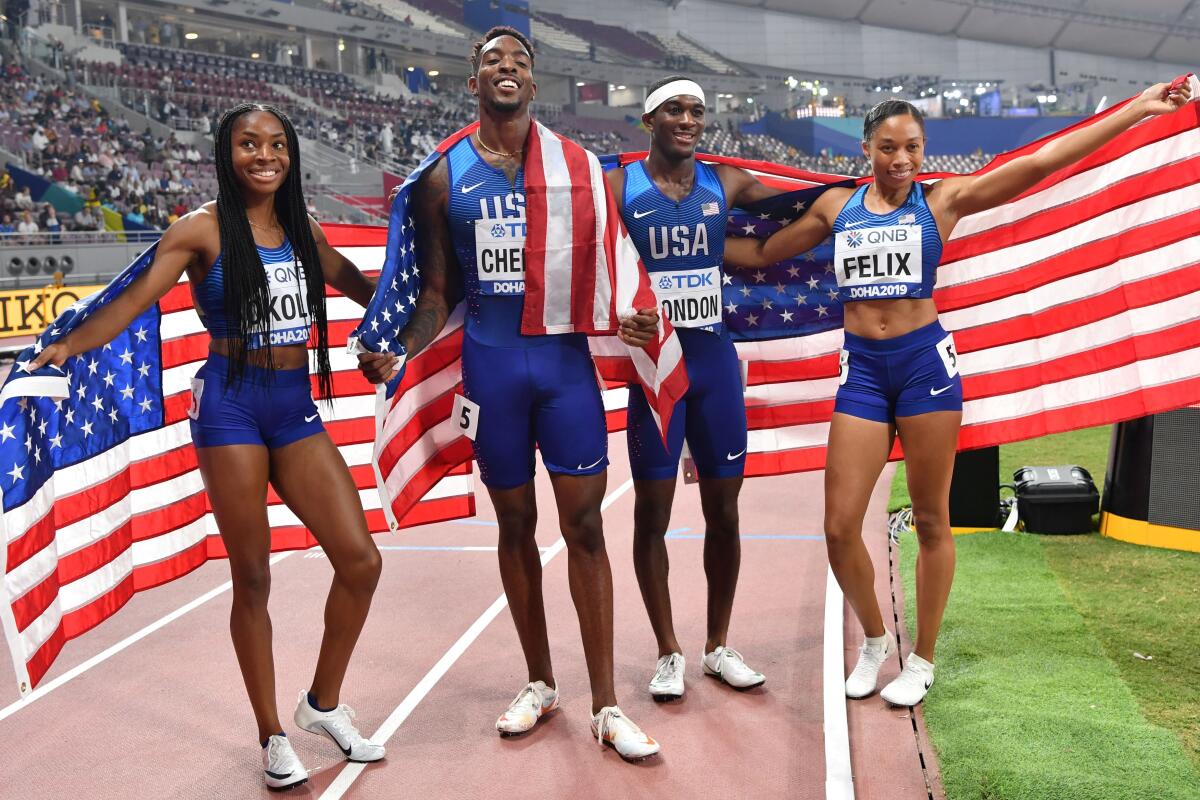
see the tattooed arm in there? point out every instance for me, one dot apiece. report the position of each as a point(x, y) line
point(441, 276)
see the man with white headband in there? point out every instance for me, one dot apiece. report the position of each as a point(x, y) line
point(521, 390)
point(675, 208)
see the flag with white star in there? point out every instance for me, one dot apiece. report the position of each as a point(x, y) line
point(796, 297)
point(99, 484)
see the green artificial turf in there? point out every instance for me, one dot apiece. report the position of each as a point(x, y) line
point(1141, 600)
point(1028, 704)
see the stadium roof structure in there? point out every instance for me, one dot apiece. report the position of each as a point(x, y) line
point(1162, 30)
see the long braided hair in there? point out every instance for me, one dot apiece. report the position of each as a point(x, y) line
point(247, 298)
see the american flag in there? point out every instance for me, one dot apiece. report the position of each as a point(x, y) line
point(1076, 304)
point(1073, 305)
point(581, 271)
point(101, 493)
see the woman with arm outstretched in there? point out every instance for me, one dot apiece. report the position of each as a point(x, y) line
point(258, 265)
point(899, 370)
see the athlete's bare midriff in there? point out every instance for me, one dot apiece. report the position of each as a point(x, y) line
point(289, 356)
point(886, 319)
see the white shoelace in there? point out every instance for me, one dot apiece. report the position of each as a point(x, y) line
point(668, 669)
point(531, 692)
point(275, 751)
point(734, 654)
point(606, 718)
point(342, 723)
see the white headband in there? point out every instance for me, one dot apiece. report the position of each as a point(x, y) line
point(673, 89)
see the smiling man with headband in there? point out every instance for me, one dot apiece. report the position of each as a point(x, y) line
point(675, 208)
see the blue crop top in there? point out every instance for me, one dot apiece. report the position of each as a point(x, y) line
point(886, 256)
point(290, 320)
point(681, 243)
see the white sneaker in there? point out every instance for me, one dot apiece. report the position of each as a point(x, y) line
point(667, 683)
point(530, 705)
point(281, 768)
point(616, 730)
point(911, 686)
point(866, 672)
point(336, 725)
point(728, 665)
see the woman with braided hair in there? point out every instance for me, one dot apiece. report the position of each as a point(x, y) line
point(258, 265)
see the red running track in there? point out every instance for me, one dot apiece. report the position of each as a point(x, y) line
point(167, 716)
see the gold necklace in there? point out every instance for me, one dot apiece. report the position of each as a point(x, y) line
point(254, 224)
point(479, 138)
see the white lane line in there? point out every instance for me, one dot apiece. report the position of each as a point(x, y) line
point(839, 782)
point(349, 775)
point(134, 638)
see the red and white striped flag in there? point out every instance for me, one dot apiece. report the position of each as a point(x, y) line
point(582, 272)
point(1076, 304)
point(102, 495)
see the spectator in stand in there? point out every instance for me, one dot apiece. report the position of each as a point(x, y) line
point(6, 227)
point(50, 223)
point(27, 227)
point(24, 199)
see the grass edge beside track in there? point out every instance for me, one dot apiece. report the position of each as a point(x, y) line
point(1028, 705)
point(1129, 599)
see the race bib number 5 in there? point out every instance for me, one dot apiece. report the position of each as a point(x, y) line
point(500, 255)
point(949, 356)
point(197, 392)
point(465, 416)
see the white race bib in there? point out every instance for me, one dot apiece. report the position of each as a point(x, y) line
point(289, 319)
point(465, 416)
point(197, 393)
point(690, 298)
point(949, 356)
point(878, 263)
point(500, 255)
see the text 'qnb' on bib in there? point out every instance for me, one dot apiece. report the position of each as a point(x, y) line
point(289, 318)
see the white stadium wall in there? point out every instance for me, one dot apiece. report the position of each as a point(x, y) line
point(831, 47)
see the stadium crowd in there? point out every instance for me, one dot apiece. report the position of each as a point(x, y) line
point(68, 137)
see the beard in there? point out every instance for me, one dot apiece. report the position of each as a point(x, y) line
point(506, 106)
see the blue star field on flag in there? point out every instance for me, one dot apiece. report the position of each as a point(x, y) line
point(399, 280)
point(59, 416)
point(792, 298)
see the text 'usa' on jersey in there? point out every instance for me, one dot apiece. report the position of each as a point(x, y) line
point(682, 244)
point(488, 227)
point(886, 256)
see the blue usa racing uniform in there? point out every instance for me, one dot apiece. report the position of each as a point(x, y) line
point(532, 391)
point(267, 407)
point(887, 256)
point(682, 245)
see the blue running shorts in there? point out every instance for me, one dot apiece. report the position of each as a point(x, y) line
point(915, 373)
point(711, 415)
point(269, 407)
point(544, 395)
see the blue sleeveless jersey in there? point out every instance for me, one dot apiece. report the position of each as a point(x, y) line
point(288, 291)
point(886, 256)
point(681, 243)
point(487, 225)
